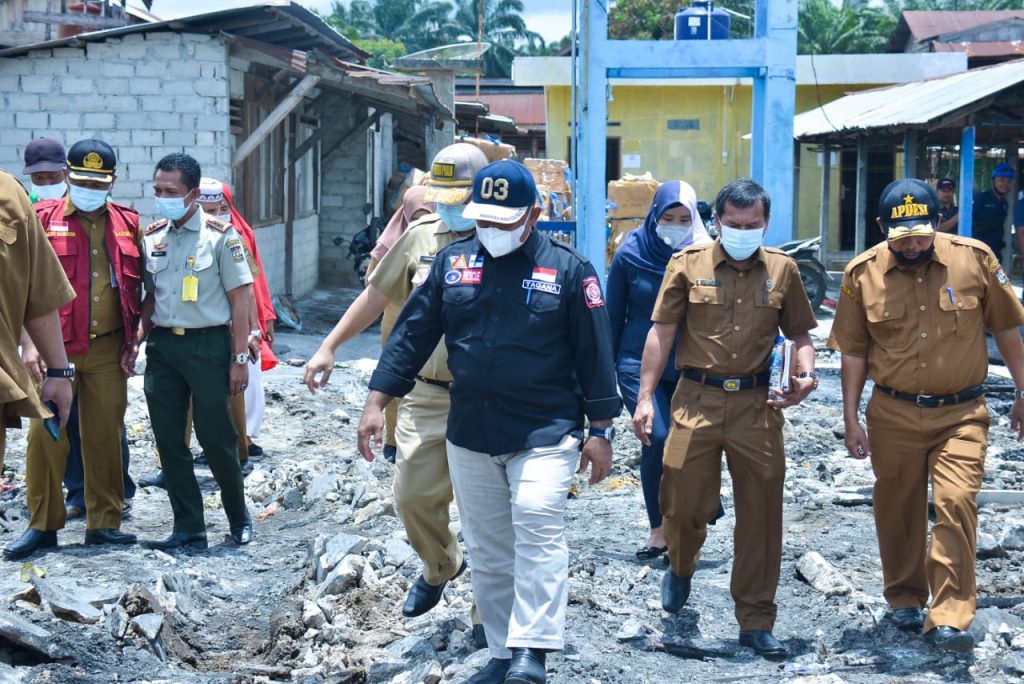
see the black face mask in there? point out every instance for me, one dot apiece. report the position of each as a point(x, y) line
point(916, 261)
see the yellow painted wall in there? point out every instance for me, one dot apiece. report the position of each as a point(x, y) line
point(707, 158)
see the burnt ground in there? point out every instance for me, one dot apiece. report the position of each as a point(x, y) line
point(316, 597)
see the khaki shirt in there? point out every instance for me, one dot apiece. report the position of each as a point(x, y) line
point(922, 329)
point(105, 304)
point(204, 248)
point(730, 318)
point(34, 284)
point(405, 266)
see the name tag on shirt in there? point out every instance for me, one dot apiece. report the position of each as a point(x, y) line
point(57, 226)
point(113, 277)
point(708, 282)
point(190, 288)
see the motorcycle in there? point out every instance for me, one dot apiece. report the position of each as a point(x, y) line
point(361, 244)
point(815, 277)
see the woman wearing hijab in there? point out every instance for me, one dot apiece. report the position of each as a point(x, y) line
point(413, 208)
point(637, 269)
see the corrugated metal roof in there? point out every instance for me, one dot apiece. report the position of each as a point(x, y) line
point(282, 23)
point(908, 104)
point(528, 109)
point(921, 25)
point(1002, 48)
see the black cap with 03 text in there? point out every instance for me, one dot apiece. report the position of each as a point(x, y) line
point(908, 207)
point(92, 160)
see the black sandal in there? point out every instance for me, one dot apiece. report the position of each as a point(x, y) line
point(650, 552)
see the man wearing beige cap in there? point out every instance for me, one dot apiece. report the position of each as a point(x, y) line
point(423, 488)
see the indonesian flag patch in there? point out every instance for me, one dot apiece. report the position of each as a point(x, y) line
point(546, 275)
point(592, 292)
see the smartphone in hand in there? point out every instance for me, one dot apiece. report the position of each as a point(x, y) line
point(52, 424)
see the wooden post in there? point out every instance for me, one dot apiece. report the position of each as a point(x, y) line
point(826, 196)
point(861, 207)
point(283, 109)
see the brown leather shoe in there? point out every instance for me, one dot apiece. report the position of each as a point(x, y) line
point(74, 512)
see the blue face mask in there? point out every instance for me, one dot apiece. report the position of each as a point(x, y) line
point(452, 216)
point(171, 208)
point(87, 199)
point(741, 243)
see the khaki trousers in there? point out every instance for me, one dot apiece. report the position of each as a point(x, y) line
point(706, 421)
point(102, 390)
point(909, 445)
point(422, 486)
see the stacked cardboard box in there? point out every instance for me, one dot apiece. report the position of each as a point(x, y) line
point(554, 186)
point(630, 198)
point(495, 151)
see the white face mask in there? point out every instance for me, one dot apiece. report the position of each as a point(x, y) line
point(500, 242)
point(226, 218)
point(740, 243)
point(50, 192)
point(87, 199)
point(674, 234)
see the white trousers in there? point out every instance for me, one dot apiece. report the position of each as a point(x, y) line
point(512, 509)
point(254, 401)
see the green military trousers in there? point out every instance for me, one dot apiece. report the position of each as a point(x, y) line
point(194, 364)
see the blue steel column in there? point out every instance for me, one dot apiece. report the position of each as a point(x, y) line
point(965, 226)
point(591, 229)
point(774, 105)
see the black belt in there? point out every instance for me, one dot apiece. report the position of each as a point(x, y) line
point(102, 335)
point(437, 383)
point(728, 384)
point(934, 401)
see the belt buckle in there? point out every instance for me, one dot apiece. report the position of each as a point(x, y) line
point(177, 331)
point(924, 397)
point(731, 385)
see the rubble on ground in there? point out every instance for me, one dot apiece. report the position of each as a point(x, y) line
point(317, 596)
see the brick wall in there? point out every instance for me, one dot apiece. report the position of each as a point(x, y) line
point(145, 94)
point(342, 197)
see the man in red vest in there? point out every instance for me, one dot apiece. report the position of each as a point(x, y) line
point(96, 241)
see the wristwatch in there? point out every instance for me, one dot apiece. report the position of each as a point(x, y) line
point(810, 374)
point(68, 372)
point(605, 433)
point(257, 333)
point(240, 359)
point(1018, 394)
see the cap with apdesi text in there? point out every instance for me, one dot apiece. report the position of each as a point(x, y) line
point(92, 160)
point(44, 154)
point(452, 173)
point(908, 207)
point(502, 193)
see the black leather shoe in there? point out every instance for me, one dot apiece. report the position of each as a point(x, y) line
point(527, 667)
point(255, 450)
point(201, 461)
point(423, 596)
point(153, 479)
point(72, 512)
point(491, 673)
point(951, 639)
point(763, 643)
point(179, 540)
point(30, 542)
point(479, 636)
point(908, 619)
point(675, 591)
point(246, 467)
point(242, 534)
point(390, 453)
point(108, 536)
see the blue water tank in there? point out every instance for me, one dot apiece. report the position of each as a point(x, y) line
point(702, 21)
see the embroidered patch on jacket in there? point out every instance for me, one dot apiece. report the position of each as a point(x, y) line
point(592, 292)
point(472, 276)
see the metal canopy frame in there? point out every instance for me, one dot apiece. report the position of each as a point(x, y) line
point(769, 59)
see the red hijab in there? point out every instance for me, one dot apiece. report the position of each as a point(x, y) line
point(264, 302)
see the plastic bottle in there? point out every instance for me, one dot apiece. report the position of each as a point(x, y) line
point(775, 366)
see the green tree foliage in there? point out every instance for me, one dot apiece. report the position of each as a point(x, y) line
point(655, 19)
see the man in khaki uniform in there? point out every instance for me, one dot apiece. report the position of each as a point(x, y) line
point(422, 486)
point(32, 289)
point(96, 241)
point(730, 298)
point(912, 315)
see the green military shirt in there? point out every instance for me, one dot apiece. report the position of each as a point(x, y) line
point(405, 266)
point(189, 271)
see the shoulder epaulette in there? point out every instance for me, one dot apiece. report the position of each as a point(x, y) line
point(156, 225)
point(862, 258)
point(775, 250)
point(217, 224)
point(969, 242)
point(567, 247)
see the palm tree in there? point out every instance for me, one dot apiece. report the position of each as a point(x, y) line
point(824, 28)
point(503, 28)
point(413, 23)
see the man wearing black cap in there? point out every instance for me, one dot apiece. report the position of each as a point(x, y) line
point(45, 163)
point(97, 243)
point(949, 213)
point(529, 348)
point(912, 315)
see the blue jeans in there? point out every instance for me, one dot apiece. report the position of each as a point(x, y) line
point(650, 456)
point(74, 475)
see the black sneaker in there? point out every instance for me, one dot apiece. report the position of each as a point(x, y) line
point(255, 450)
